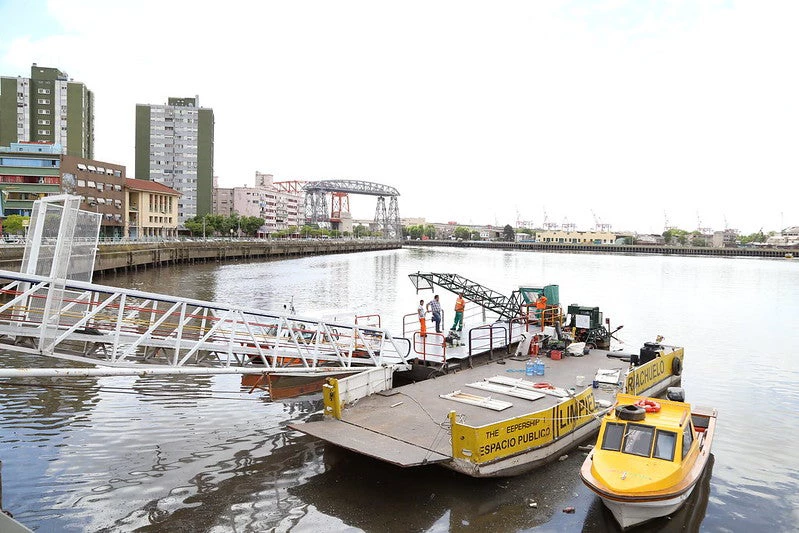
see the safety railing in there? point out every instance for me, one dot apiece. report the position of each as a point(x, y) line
point(126, 328)
point(488, 338)
point(372, 320)
point(430, 348)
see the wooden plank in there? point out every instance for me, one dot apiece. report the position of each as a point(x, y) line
point(506, 389)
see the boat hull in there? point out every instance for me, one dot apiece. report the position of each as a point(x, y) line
point(633, 513)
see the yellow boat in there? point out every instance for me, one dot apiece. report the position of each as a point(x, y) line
point(649, 455)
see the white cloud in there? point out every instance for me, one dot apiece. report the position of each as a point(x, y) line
point(472, 110)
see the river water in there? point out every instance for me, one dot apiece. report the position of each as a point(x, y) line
point(202, 454)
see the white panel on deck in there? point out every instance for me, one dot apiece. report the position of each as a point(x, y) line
point(474, 399)
point(529, 385)
point(510, 390)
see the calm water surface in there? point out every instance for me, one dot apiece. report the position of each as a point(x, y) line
point(201, 454)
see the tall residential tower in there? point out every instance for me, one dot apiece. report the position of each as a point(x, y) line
point(175, 147)
point(49, 108)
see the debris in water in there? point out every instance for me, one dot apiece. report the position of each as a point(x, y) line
point(569, 510)
point(563, 457)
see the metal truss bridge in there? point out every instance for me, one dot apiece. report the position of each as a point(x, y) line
point(387, 220)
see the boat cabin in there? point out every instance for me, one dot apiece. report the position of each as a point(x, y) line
point(663, 430)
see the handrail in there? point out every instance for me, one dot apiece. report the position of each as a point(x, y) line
point(424, 343)
point(490, 328)
point(379, 321)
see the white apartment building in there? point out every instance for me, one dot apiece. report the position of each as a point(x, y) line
point(279, 209)
point(174, 147)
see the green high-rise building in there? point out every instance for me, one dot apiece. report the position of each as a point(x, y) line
point(48, 107)
point(175, 147)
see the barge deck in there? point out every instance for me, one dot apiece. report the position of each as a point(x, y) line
point(497, 433)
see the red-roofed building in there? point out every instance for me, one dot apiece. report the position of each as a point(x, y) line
point(151, 208)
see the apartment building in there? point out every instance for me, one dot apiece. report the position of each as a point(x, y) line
point(48, 107)
point(175, 147)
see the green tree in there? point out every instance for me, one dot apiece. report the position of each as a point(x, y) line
point(675, 236)
point(430, 231)
point(415, 232)
point(15, 224)
point(754, 237)
point(251, 225)
point(461, 233)
point(508, 234)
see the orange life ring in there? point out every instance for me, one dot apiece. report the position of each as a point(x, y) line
point(543, 385)
point(651, 406)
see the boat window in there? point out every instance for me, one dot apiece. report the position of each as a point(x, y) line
point(638, 440)
point(664, 445)
point(687, 439)
point(612, 436)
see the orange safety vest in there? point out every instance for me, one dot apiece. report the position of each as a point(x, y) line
point(460, 305)
point(541, 303)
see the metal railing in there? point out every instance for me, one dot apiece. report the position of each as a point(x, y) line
point(124, 328)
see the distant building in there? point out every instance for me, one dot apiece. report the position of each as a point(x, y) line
point(787, 237)
point(31, 171)
point(175, 147)
point(650, 239)
point(222, 199)
point(724, 239)
point(280, 207)
point(101, 188)
point(152, 210)
point(575, 237)
point(50, 108)
point(28, 171)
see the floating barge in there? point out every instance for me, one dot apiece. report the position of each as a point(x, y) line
point(487, 421)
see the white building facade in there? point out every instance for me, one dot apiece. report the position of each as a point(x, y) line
point(278, 208)
point(174, 147)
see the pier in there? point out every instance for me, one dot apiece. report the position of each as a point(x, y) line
point(132, 256)
point(776, 253)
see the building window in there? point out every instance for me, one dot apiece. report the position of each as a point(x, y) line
point(43, 122)
point(43, 91)
point(43, 132)
point(45, 101)
point(44, 111)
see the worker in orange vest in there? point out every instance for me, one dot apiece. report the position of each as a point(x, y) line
point(460, 305)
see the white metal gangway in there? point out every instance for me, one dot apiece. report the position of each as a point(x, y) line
point(156, 333)
point(131, 332)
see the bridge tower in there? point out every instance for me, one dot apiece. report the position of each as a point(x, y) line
point(339, 203)
point(387, 219)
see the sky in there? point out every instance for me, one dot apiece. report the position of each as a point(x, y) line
point(638, 114)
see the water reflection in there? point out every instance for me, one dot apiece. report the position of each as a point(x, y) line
point(373, 496)
point(200, 454)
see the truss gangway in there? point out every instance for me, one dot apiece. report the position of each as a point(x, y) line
point(507, 307)
point(64, 315)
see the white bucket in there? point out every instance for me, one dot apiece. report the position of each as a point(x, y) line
point(580, 381)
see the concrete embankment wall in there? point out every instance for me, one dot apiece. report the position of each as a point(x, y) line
point(131, 256)
point(614, 248)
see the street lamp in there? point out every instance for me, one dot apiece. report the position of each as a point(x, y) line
point(231, 234)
